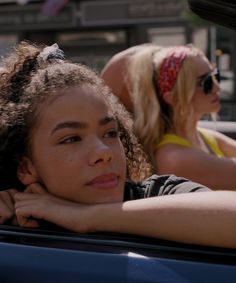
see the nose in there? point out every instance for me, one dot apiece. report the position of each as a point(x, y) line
point(100, 153)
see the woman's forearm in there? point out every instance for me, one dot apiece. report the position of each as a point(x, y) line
point(207, 218)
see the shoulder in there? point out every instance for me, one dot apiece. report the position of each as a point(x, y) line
point(188, 162)
point(158, 185)
point(171, 184)
point(169, 156)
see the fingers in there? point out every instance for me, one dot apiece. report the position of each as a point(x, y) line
point(24, 196)
point(25, 209)
point(5, 214)
point(35, 188)
point(6, 206)
point(27, 222)
point(7, 199)
point(31, 206)
point(11, 202)
point(12, 192)
point(14, 221)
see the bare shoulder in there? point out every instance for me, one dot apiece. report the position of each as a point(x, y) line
point(169, 157)
point(196, 165)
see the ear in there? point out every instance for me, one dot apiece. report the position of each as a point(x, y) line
point(167, 96)
point(26, 171)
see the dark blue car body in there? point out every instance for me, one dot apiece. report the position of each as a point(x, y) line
point(58, 256)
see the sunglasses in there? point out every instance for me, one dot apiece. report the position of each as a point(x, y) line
point(207, 81)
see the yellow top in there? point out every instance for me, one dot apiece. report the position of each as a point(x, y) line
point(209, 141)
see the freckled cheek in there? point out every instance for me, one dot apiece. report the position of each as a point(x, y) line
point(57, 163)
point(69, 163)
point(69, 154)
point(62, 177)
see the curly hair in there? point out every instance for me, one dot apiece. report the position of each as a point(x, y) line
point(26, 81)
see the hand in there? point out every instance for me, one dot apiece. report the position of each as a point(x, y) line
point(32, 204)
point(36, 203)
point(7, 211)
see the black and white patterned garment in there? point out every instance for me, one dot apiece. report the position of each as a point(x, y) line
point(159, 186)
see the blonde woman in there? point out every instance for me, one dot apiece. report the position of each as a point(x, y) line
point(171, 89)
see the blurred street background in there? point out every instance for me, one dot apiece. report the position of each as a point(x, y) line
point(91, 32)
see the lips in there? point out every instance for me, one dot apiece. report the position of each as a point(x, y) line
point(217, 99)
point(107, 181)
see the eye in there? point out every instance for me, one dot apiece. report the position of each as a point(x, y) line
point(70, 139)
point(112, 133)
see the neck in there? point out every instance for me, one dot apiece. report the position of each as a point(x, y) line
point(189, 132)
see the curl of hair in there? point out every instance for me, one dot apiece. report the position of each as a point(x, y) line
point(138, 164)
point(17, 70)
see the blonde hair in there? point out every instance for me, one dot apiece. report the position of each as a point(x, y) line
point(153, 117)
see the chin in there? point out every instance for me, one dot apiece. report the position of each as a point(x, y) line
point(110, 199)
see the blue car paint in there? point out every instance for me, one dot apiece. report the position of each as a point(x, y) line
point(39, 264)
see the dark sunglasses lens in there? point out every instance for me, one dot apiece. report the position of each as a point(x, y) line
point(208, 84)
point(217, 76)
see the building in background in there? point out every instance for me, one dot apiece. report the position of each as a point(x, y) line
point(92, 31)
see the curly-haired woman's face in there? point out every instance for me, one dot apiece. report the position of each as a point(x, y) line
point(76, 150)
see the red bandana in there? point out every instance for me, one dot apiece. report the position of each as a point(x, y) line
point(170, 68)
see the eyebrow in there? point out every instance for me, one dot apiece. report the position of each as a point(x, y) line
point(81, 125)
point(106, 120)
